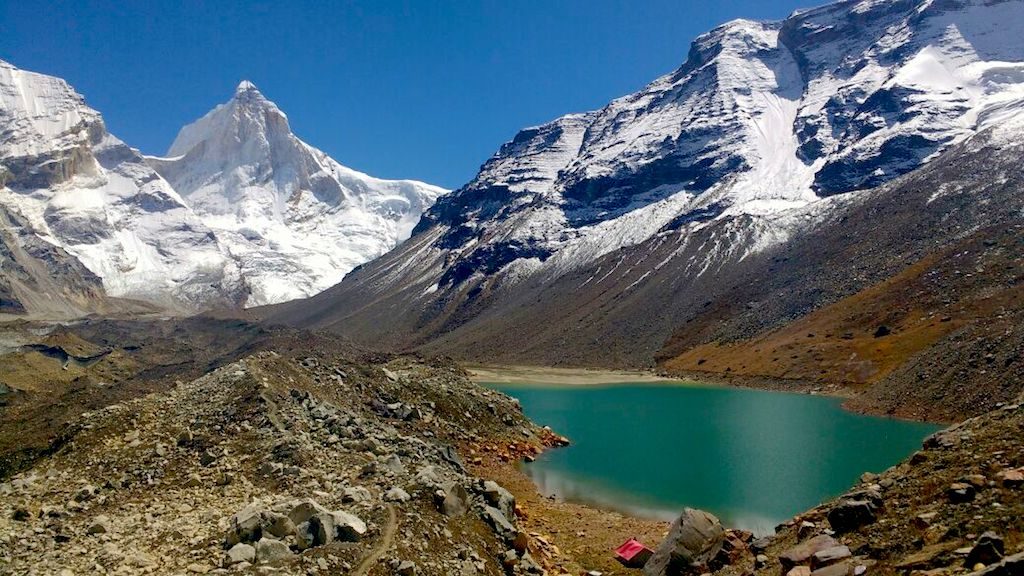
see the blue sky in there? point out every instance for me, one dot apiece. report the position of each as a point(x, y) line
point(423, 89)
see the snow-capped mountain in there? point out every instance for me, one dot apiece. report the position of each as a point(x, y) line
point(65, 181)
point(766, 129)
point(295, 220)
point(248, 214)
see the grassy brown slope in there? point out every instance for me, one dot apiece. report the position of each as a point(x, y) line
point(139, 357)
point(970, 284)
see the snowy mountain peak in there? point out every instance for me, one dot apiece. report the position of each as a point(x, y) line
point(76, 187)
point(245, 86)
point(295, 219)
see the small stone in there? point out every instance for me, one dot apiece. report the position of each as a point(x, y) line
point(1011, 478)
point(396, 494)
point(842, 569)
point(355, 494)
point(407, 568)
point(925, 520)
point(960, 492)
point(85, 493)
point(977, 480)
point(760, 561)
point(799, 571)
point(394, 464)
point(99, 525)
point(207, 458)
point(521, 542)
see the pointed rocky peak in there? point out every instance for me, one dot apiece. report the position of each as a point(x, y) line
point(244, 87)
point(247, 116)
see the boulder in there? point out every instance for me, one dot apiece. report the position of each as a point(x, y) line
point(278, 525)
point(989, 549)
point(239, 553)
point(246, 525)
point(801, 553)
point(407, 568)
point(396, 494)
point(455, 501)
point(300, 511)
point(499, 522)
point(830, 556)
point(694, 539)
point(347, 527)
point(499, 497)
point(850, 515)
point(269, 550)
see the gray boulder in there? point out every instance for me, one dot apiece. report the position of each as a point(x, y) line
point(693, 540)
point(454, 500)
point(347, 527)
point(802, 552)
point(499, 522)
point(355, 494)
point(268, 550)
point(239, 553)
point(500, 498)
point(396, 494)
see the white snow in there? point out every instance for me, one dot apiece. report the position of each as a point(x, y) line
point(294, 219)
point(106, 206)
point(956, 68)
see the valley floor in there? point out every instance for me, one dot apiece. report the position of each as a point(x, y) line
point(133, 447)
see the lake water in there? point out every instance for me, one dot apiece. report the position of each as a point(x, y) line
point(752, 458)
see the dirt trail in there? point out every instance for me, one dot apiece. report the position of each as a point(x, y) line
point(389, 538)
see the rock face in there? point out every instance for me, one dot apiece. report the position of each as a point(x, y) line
point(694, 539)
point(569, 240)
point(295, 220)
point(67, 182)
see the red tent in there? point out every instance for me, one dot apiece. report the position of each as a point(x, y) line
point(633, 554)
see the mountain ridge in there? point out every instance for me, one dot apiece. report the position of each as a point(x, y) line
point(105, 208)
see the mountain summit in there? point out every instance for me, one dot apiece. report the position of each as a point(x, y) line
point(294, 219)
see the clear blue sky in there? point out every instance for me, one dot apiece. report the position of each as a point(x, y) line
point(423, 89)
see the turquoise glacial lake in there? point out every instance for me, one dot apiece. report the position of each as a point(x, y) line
point(753, 458)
